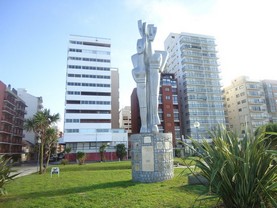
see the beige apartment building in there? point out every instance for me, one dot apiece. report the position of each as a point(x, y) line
point(245, 105)
point(125, 119)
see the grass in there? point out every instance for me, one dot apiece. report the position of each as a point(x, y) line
point(187, 161)
point(106, 184)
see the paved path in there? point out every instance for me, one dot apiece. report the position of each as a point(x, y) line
point(24, 170)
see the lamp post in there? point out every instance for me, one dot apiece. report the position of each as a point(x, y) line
point(108, 147)
point(197, 125)
point(39, 142)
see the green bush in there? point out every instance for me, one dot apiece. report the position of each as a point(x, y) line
point(64, 161)
point(269, 131)
point(177, 153)
point(102, 150)
point(121, 151)
point(5, 173)
point(239, 171)
point(81, 157)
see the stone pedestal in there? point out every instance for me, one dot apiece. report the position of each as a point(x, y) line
point(152, 157)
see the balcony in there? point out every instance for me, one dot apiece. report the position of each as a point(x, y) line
point(7, 121)
point(6, 109)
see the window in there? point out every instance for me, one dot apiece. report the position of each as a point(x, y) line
point(92, 145)
point(242, 94)
point(72, 130)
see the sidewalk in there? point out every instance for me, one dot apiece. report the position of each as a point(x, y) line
point(25, 169)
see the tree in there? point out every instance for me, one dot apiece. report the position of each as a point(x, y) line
point(39, 124)
point(51, 140)
point(121, 151)
point(67, 150)
point(102, 150)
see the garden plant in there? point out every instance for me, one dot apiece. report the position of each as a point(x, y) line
point(5, 173)
point(240, 171)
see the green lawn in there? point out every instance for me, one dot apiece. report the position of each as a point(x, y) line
point(106, 184)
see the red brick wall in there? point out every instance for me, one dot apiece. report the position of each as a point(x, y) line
point(95, 156)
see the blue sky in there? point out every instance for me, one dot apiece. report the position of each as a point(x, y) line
point(34, 36)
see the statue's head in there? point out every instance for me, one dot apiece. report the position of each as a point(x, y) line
point(140, 45)
point(141, 27)
point(151, 32)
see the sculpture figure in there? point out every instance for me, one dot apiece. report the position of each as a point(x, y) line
point(146, 73)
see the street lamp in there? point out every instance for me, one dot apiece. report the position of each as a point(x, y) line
point(108, 145)
point(39, 142)
point(196, 125)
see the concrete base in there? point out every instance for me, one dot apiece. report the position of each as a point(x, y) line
point(152, 157)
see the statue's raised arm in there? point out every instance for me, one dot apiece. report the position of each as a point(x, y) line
point(147, 68)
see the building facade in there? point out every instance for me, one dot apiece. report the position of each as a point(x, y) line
point(193, 60)
point(12, 111)
point(34, 104)
point(245, 105)
point(125, 119)
point(168, 108)
point(115, 97)
point(270, 89)
point(88, 118)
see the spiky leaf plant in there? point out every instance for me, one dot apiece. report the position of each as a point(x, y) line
point(5, 173)
point(239, 170)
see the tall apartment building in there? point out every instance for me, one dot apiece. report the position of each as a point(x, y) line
point(34, 104)
point(89, 98)
point(270, 89)
point(245, 105)
point(12, 111)
point(115, 97)
point(168, 108)
point(125, 119)
point(193, 60)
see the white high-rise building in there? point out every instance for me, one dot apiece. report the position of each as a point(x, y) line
point(88, 100)
point(34, 104)
point(193, 60)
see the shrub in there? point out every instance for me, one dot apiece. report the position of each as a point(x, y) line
point(239, 171)
point(102, 150)
point(269, 131)
point(64, 161)
point(121, 151)
point(177, 153)
point(5, 173)
point(81, 157)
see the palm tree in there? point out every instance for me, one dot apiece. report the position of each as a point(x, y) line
point(51, 140)
point(39, 124)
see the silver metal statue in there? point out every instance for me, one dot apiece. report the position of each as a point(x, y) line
point(146, 73)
